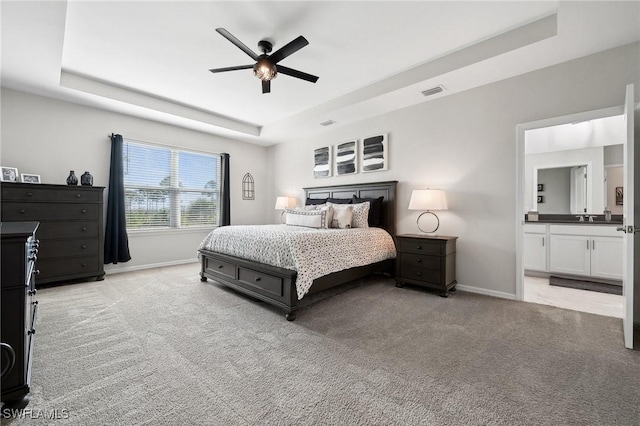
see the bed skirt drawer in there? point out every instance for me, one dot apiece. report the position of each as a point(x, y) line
point(266, 283)
point(220, 267)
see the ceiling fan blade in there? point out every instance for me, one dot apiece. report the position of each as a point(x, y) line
point(226, 34)
point(288, 49)
point(297, 74)
point(239, 67)
point(266, 86)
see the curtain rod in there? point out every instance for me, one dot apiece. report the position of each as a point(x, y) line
point(164, 145)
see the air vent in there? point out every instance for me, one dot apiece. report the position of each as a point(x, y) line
point(327, 123)
point(432, 91)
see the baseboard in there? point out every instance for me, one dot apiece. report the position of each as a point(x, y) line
point(486, 292)
point(110, 271)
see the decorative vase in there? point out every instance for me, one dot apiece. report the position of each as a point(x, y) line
point(86, 179)
point(72, 179)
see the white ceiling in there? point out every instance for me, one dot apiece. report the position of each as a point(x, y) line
point(151, 59)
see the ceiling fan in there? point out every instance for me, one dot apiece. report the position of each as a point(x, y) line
point(265, 67)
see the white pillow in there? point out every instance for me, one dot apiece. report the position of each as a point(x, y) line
point(320, 218)
point(360, 213)
point(342, 216)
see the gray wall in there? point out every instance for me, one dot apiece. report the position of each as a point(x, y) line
point(466, 144)
point(50, 137)
point(557, 190)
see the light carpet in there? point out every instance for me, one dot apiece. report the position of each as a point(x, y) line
point(159, 347)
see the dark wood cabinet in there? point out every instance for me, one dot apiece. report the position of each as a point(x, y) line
point(70, 232)
point(427, 261)
point(19, 249)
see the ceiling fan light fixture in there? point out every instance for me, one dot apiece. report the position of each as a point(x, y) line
point(265, 70)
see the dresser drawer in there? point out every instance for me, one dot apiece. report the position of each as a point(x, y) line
point(78, 194)
point(220, 267)
point(68, 267)
point(422, 275)
point(42, 211)
point(66, 248)
point(419, 260)
point(421, 246)
point(75, 229)
point(22, 193)
point(259, 281)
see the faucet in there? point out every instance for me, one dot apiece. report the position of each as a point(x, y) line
point(580, 218)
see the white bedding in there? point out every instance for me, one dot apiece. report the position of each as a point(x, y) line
point(311, 252)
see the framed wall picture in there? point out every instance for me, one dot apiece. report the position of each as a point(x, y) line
point(375, 153)
point(10, 174)
point(29, 178)
point(346, 158)
point(619, 196)
point(322, 162)
point(540, 187)
point(540, 199)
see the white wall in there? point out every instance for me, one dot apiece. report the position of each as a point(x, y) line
point(466, 144)
point(50, 137)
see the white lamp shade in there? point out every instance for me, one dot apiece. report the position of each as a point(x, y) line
point(285, 203)
point(428, 199)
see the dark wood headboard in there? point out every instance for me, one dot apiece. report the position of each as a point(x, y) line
point(364, 190)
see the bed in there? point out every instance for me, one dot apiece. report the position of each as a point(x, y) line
point(278, 286)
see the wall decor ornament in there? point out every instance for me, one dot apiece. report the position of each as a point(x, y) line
point(346, 158)
point(541, 187)
point(86, 179)
point(375, 153)
point(619, 196)
point(248, 190)
point(10, 174)
point(322, 162)
point(540, 199)
point(72, 179)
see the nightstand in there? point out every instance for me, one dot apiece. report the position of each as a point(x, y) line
point(427, 261)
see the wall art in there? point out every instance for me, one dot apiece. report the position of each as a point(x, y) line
point(10, 174)
point(322, 162)
point(346, 158)
point(375, 156)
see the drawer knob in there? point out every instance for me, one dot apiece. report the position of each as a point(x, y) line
point(220, 266)
point(22, 211)
point(419, 260)
point(32, 331)
point(419, 247)
point(32, 292)
point(83, 264)
point(78, 195)
point(83, 211)
point(257, 279)
point(29, 194)
point(33, 258)
point(419, 274)
point(84, 246)
point(36, 272)
point(35, 302)
point(84, 229)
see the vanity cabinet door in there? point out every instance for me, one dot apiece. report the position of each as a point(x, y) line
point(535, 252)
point(570, 254)
point(606, 257)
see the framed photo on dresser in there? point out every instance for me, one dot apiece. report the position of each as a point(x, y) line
point(29, 178)
point(9, 174)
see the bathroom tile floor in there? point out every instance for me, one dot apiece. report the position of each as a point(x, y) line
point(538, 290)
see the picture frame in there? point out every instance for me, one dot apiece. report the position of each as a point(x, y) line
point(540, 199)
point(346, 158)
point(322, 162)
point(540, 187)
point(619, 196)
point(374, 153)
point(9, 174)
point(30, 178)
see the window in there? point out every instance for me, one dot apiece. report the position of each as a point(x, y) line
point(169, 188)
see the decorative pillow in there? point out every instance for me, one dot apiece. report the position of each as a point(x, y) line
point(308, 218)
point(339, 200)
point(314, 201)
point(360, 213)
point(375, 209)
point(342, 217)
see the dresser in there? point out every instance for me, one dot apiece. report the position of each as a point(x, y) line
point(18, 254)
point(426, 261)
point(70, 231)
